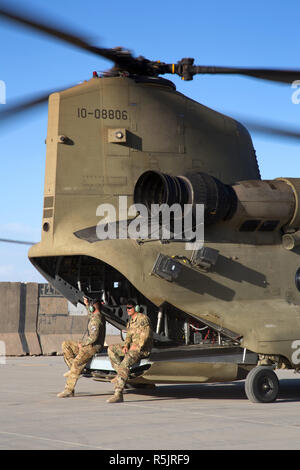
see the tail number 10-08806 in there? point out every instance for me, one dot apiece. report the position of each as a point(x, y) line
point(97, 113)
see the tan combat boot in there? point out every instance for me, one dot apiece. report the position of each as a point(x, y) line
point(116, 398)
point(66, 393)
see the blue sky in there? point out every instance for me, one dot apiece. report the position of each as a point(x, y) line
point(233, 33)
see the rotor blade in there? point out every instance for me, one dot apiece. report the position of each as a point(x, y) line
point(38, 25)
point(275, 75)
point(127, 62)
point(274, 130)
point(23, 105)
point(186, 69)
point(5, 240)
point(26, 104)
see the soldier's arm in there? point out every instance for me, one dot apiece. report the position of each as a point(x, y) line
point(94, 328)
point(128, 340)
point(145, 332)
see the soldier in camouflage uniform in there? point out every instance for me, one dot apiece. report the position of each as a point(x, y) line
point(138, 344)
point(76, 355)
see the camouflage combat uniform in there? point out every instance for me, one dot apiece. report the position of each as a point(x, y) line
point(139, 333)
point(76, 358)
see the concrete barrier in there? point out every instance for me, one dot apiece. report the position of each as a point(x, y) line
point(59, 320)
point(54, 329)
point(31, 318)
point(112, 339)
point(56, 325)
point(35, 320)
point(52, 306)
point(12, 318)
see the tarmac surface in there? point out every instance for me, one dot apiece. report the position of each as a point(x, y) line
point(174, 417)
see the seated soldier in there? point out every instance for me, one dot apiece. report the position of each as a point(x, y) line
point(77, 355)
point(137, 345)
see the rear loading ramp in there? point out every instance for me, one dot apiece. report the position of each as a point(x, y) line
point(187, 364)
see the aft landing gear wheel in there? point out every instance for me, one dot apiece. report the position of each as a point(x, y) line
point(262, 385)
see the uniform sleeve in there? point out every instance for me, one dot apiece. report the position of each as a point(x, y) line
point(94, 329)
point(144, 333)
point(128, 339)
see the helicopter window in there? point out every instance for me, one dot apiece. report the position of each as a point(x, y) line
point(268, 226)
point(249, 225)
point(297, 279)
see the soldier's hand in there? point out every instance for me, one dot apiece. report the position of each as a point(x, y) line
point(79, 345)
point(85, 301)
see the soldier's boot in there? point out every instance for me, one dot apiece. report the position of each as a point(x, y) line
point(116, 398)
point(66, 393)
point(70, 386)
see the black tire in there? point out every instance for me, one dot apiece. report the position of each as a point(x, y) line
point(262, 385)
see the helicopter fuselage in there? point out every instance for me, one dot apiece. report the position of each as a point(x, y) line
point(102, 136)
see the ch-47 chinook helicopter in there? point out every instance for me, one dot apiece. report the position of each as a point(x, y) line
point(130, 133)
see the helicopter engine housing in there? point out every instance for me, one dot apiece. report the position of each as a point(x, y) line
point(249, 205)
